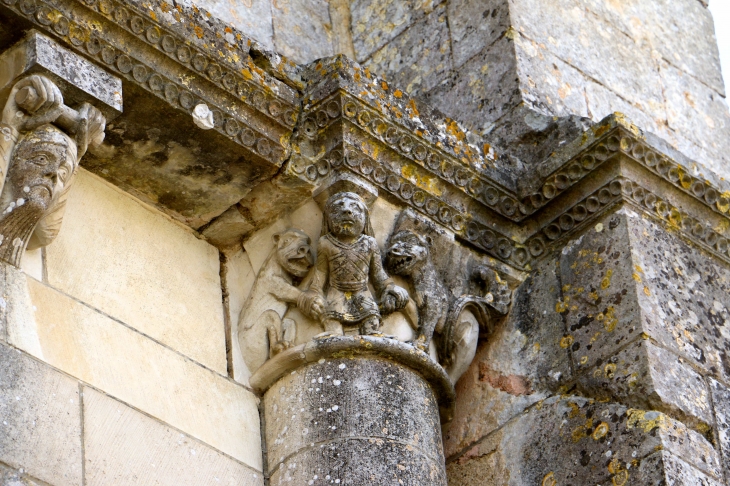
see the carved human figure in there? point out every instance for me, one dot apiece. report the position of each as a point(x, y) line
point(37, 163)
point(263, 331)
point(348, 259)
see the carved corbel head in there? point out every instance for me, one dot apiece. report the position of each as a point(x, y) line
point(40, 152)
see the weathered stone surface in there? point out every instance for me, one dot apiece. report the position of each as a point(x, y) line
point(142, 269)
point(133, 368)
point(664, 468)
point(579, 441)
point(302, 38)
point(602, 102)
point(475, 25)
point(646, 376)
point(418, 58)
point(721, 402)
point(682, 294)
point(376, 22)
point(681, 31)
point(122, 445)
point(699, 114)
point(253, 17)
point(482, 89)
point(239, 278)
point(12, 477)
point(40, 420)
point(516, 367)
point(599, 295)
point(358, 420)
point(546, 82)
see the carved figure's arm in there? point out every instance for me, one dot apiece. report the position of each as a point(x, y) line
point(312, 300)
point(392, 297)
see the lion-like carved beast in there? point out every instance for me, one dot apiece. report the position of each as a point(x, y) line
point(454, 322)
point(262, 330)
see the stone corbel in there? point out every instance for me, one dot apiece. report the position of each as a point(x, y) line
point(42, 138)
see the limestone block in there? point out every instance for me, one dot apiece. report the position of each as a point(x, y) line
point(302, 38)
point(420, 57)
point(141, 268)
point(135, 369)
point(516, 367)
point(475, 25)
point(547, 82)
point(12, 477)
point(699, 113)
point(252, 17)
point(721, 401)
point(482, 89)
point(579, 441)
point(596, 48)
point(599, 294)
point(32, 263)
point(239, 280)
point(602, 102)
point(643, 375)
point(376, 22)
point(122, 445)
point(682, 294)
point(681, 31)
point(40, 420)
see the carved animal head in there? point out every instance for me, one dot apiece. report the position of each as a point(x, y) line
point(294, 251)
point(407, 252)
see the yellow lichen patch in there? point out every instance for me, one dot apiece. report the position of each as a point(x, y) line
point(609, 319)
point(647, 291)
point(549, 479)
point(566, 342)
point(606, 282)
point(199, 31)
point(609, 370)
point(562, 306)
point(600, 431)
point(639, 419)
point(413, 108)
point(398, 93)
point(579, 433)
point(566, 288)
point(620, 478)
point(535, 348)
point(574, 410)
point(452, 128)
point(637, 277)
point(584, 360)
point(384, 85)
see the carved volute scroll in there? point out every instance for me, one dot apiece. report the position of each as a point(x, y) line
point(41, 144)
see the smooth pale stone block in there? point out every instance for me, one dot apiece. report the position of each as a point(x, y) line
point(32, 263)
point(131, 262)
point(383, 216)
point(40, 420)
point(239, 280)
point(131, 367)
point(123, 445)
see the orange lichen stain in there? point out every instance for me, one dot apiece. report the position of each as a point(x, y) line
point(566, 342)
point(384, 85)
point(647, 291)
point(574, 410)
point(199, 31)
point(452, 128)
point(606, 282)
point(153, 15)
point(165, 7)
point(247, 74)
point(549, 479)
point(414, 109)
point(398, 93)
point(600, 130)
point(424, 181)
point(179, 8)
point(600, 431)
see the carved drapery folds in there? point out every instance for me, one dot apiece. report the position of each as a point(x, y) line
point(41, 143)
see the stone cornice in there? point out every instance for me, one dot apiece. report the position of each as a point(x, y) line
point(348, 119)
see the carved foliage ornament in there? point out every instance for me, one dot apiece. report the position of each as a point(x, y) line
point(41, 143)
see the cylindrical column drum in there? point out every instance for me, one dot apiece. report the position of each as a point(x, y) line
point(354, 411)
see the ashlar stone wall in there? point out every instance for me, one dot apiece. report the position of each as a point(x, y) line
point(113, 353)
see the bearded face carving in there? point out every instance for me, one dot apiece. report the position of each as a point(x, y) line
point(41, 142)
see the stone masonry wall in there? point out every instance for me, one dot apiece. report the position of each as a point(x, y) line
point(617, 341)
point(113, 356)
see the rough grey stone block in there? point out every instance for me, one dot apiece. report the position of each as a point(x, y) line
point(664, 468)
point(482, 89)
point(475, 25)
point(250, 16)
point(419, 57)
point(302, 38)
point(376, 22)
point(646, 376)
point(40, 422)
point(13, 477)
point(721, 402)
